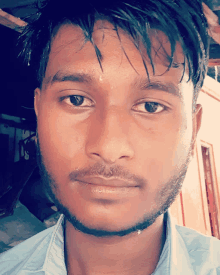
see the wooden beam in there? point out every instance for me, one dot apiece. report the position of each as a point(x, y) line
point(11, 21)
point(214, 62)
point(211, 17)
point(214, 55)
point(213, 22)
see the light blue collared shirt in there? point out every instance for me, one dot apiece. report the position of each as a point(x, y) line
point(185, 252)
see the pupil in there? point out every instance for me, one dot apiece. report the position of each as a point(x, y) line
point(76, 100)
point(151, 106)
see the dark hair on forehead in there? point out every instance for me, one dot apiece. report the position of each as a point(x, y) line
point(180, 20)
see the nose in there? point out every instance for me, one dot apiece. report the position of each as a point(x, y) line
point(108, 137)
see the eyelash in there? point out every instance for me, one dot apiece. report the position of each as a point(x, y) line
point(90, 105)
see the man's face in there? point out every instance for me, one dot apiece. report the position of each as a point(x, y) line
point(114, 147)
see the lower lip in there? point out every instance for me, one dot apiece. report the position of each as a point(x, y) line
point(106, 192)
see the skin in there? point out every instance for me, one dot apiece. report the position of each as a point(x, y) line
point(113, 135)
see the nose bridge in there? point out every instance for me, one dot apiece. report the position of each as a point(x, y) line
point(116, 125)
point(114, 117)
point(109, 139)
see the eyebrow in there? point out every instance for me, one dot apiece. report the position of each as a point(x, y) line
point(139, 83)
point(168, 87)
point(61, 76)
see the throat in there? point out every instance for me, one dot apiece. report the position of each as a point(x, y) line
point(138, 254)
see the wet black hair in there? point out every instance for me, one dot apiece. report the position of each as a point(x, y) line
point(180, 20)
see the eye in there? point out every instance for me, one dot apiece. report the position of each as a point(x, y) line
point(149, 107)
point(77, 101)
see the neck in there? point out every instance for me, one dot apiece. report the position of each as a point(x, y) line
point(132, 254)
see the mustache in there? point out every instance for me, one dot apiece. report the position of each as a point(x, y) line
point(113, 172)
point(98, 169)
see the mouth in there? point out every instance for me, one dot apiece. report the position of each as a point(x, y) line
point(112, 183)
point(99, 188)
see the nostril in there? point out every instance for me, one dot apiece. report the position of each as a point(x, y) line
point(96, 154)
point(123, 157)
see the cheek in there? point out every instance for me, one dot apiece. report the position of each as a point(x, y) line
point(164, 149)
point(61, 140)
point(181, 144)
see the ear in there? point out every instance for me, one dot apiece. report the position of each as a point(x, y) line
point(197, 119)
point(37, 95)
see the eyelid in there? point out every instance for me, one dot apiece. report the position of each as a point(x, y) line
point(74, 92)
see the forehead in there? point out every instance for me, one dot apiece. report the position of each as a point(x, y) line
point(69, 49)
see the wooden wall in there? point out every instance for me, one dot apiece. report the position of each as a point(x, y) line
point(192, 207)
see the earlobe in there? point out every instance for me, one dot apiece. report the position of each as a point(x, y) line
point(37, 94)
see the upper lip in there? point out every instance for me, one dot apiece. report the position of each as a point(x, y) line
point(107, 182)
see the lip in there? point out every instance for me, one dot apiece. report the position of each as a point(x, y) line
point(101, 189)
point(108, 183)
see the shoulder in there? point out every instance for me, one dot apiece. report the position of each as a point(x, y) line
point(14, 259)
point(196, 240)
point(203, 251)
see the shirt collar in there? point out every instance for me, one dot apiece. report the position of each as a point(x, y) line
point(55, 251)
point(174, 258)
